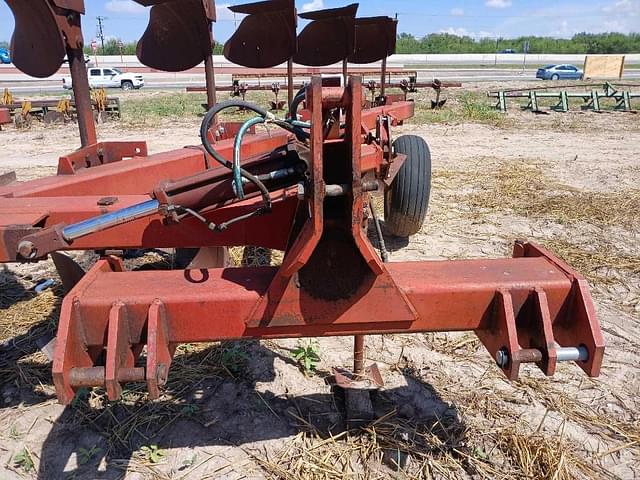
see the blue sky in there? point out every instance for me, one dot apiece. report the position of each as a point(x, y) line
point(477, 18)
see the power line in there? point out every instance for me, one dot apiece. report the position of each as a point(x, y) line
point(100, 30)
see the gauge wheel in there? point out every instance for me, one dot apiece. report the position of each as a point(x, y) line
point(407, 200)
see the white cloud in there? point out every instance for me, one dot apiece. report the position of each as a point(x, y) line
point(630, 7)
point(463, 32)
point(498, 3)
point(566, 19)
point(124, 6)
point(313, 5)
point(129, 6)
point(223, 13)
point(457, 12)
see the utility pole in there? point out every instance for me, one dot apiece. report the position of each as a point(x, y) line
point(100, 32)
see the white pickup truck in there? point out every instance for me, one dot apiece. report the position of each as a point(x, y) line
point(109, 78)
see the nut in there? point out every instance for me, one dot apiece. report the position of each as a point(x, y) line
point(502, 357)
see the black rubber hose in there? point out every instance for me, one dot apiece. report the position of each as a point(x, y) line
point(211, 114)
point(297, 100)
point(204, 137)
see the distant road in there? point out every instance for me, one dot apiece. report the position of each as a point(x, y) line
point(464, 68)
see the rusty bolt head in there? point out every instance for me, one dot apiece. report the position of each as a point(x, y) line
point(27, 250)
point(106, 201)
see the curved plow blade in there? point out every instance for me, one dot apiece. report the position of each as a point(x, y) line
point(178, 36)
point(329, 38)
point(267, 35)
point(69, 270)
point(38, 43)
point(375, 39)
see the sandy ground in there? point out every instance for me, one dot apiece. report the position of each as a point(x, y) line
point(256, 422)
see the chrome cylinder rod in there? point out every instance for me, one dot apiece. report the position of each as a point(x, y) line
point(96, 224)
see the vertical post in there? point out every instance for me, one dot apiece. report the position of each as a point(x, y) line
point(383, 83)
point(210, 75)
point(80, 84)
point(290, 82)
point(354, 125)
point(358, 356)
point(345, 72)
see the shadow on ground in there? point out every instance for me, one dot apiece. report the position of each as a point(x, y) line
point(219, 395)
point(19, 376)
point(221, 410)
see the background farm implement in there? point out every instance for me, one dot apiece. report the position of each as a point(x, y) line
point(616, 96)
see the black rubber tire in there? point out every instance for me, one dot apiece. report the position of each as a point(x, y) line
point(127, 85)
point(407, 201)
point(555, 76)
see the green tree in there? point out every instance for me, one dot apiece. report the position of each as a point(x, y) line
point(582, 43)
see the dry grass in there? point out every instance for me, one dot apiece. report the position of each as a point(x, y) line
point(536, 456)
point(521, 188)
point(438, 448)
point(525, 189)
point(25, 317)
point(601, 262)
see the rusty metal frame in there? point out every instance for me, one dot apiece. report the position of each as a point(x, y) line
point(503, 301)
point(524, 310)
point(89, 177)
point(532, 308)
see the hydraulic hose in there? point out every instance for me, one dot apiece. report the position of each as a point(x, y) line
point(293, 125)
point(204, 136)
point(237, 174)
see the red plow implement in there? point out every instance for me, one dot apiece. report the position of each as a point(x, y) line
point(305, 187)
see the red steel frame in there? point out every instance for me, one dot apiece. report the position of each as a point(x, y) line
point(76, 192)
point(525, 306)
point(526, 309)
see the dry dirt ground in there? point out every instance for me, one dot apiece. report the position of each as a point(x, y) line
point(246, 410)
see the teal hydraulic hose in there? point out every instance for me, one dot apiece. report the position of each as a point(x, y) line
point(237, 174)
point(298, 123)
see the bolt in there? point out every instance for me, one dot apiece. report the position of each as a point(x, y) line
point(162, 374)
point(106, 201)
point(502, 357)
point(27, 250)
point(301, 192)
